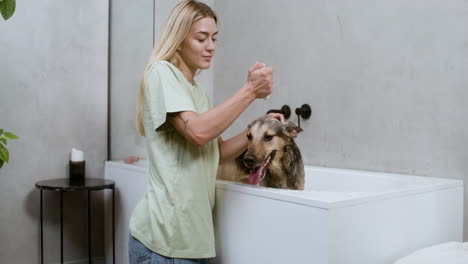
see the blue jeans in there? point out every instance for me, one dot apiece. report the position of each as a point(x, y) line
point(140, 254)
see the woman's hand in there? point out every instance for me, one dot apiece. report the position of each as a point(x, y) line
point(260, 80)
point(131, 159)
point(278, 116)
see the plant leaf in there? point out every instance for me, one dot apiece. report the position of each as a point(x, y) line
point(7, 8)
point(1, 163)
point(10, 135)
point(1, 132)
point(4, 154)
point(3, 140)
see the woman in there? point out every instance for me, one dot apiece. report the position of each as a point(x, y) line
point(172, 223)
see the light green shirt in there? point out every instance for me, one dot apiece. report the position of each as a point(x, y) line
point(174, 218)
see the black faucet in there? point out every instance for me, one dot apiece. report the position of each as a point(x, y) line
point(304, 111)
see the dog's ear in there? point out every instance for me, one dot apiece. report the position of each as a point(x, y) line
point(290, 129)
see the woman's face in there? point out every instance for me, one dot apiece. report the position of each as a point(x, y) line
point(199, 46)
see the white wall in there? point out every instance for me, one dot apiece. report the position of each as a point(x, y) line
point(53, 95)
point(386, 79)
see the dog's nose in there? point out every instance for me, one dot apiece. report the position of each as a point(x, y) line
point(249, 161)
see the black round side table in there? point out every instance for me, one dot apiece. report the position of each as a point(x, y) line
point(64, 185)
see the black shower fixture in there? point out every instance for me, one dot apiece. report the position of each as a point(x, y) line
point(304, 111)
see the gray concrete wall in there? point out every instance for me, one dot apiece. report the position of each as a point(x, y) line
point(53, 95)
point(130, 48)
point(386, 79)
point(133, 27)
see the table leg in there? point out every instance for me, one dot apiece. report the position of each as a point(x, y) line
point(89, 226)
point(42, 237)
point(61, 227)
point(113, 227)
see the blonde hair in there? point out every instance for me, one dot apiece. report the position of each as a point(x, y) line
point(175, 31)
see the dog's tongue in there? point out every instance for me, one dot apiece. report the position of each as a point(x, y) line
point(256, 174)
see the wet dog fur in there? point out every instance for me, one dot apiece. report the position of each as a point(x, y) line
point(271, 147)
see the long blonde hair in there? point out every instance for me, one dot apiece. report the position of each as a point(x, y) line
point(175, 31)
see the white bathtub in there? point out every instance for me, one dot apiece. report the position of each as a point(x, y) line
point(130, 185)
point(342, 217)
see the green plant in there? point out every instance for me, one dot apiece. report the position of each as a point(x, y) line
point(4, 154)
point(7, 8)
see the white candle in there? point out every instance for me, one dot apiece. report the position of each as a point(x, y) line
point(77, 155)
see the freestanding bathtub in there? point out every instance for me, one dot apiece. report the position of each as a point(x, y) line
point(342, 217)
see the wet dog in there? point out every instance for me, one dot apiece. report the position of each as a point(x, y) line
point(272, 158)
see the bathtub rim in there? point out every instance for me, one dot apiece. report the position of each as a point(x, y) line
point(432, 184)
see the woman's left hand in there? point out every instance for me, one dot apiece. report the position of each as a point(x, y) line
point(280, 117)
point(131, 159)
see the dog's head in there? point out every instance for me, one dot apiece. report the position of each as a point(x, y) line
point(267, 136)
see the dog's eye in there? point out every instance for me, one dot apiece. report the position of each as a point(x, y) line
point(249, 137)
point(268, 138)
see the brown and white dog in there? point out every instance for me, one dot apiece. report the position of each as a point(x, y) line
point(272, 158)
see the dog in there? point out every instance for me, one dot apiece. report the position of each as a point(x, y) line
point(272, 158)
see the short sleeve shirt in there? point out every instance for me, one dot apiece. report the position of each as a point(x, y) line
point(174, 218)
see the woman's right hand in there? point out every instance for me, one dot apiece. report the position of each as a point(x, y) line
point(260, 80)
